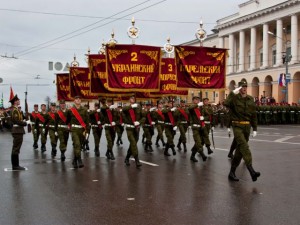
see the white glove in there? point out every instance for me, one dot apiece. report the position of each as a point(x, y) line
point(88, 110)
point(122, 124)
point(113, 123)
point(56, 134)
point(254, 134)
point(153, 123)
point(34, 131)
point(212, 128)
point(112, 107)
point(136, 123)
point(175, 128)
point(173, 109)
point(28, 121)
point(201, 118)
point(99, 122)
point(134, 105)
point(43, 131)
point(120, 110)
point(152, 109)
point(98, 110)
point(237, 90)
point(228, 130)
point(200, 104)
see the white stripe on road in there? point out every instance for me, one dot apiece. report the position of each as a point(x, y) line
point(150, 164)
point(284, 139)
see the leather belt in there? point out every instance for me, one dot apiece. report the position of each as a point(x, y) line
point(77, 126)
point(129, 125)
point(183, 121)
point(207, 122)
point(64, 126)
point(52, 126)
point(168, 123)
point(160, 121)
point(241, 122)
point(196, 125)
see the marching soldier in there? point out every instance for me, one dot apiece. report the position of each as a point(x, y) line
point(17, 132)
point(85, 145)
point(119, 125)
point(132, 115)
point(148, 126)
point(197, 123)
point(109, 121)
point(207, 113)
point(160, 123)
point(41, 122)
point(51, 124)
point(78, 118)
point(35, 126)
point(243, 116)
point(62, 128)
point(95, 120)
point(170, 127)
point(182, 115)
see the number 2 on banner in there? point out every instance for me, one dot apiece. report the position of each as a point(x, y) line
point(134, 57)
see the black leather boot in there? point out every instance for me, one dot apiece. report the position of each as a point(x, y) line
point(112, 157)
point(80, 164)
point(156, 143)
point(178, 145)
point(62, 156)
point(146, 147)
point(43, 148)
point(15, 163)
point(150, 149)
point(75, 163)
point(97, 152)
point(127, 158)
point(53, 151)
point(184, 147)
point(253, 173)
point(163, 142)
point(107, 154)
point(230, 154)
point(231, 175)
point(143, 139)
point(209, 151)
point(166, 153)
point(193, 158)
point(35, 145)
point(173, 150)
point(137, 162)
point(204, 157)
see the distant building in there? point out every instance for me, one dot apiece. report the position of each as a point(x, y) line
point(260, 39)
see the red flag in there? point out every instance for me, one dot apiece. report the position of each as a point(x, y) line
point(12, 95)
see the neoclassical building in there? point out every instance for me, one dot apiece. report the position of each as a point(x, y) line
point(263, 42)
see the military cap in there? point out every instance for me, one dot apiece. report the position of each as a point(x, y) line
point(62, 101)
point(35, 105)
point(120, 104)
point(205, 99)
point(109, 100)
point(242, 84)
point(15, 98)
point(43, 104)
point(77, 96)
point(161, 102)
point(147, 103)
point(53, 104)
point(195, 97)
point(132, 96)
point(182, 101)
point(96, 104)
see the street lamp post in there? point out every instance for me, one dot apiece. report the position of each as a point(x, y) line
point(286, 59)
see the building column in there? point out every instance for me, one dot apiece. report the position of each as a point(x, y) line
point(294, 39)
point(221, 42)
point(279, 40)
point(242, 51)
point(253, 48)
point(231, 52)
point(265, 46)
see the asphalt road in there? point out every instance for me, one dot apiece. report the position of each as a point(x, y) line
point(165, 190)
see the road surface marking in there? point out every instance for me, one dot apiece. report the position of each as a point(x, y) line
point(150, 164)
point(284, 139)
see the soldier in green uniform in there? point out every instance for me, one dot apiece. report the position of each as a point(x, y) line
point(119, 125)
point(207, 113)
point(35, 128)
point(182, 115)
point(170, 127)
point(78, 118)
point(41, 122)
point(132, 115)
point(95, 121)
point(109, 118)
point(243, 116)
point(197, 123)
point(148, 126)
point(222, 115)
point(160, 123)
point(51, 124)
point(62, 128)
point(17, 132)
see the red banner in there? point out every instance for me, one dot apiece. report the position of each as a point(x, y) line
point(133, 68)
point(168, 80)
point(200, 67)
point(63, 86)
point(80, 83)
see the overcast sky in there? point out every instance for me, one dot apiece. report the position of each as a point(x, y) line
point(36, 32)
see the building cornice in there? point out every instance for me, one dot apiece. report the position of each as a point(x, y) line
point(245, 19)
